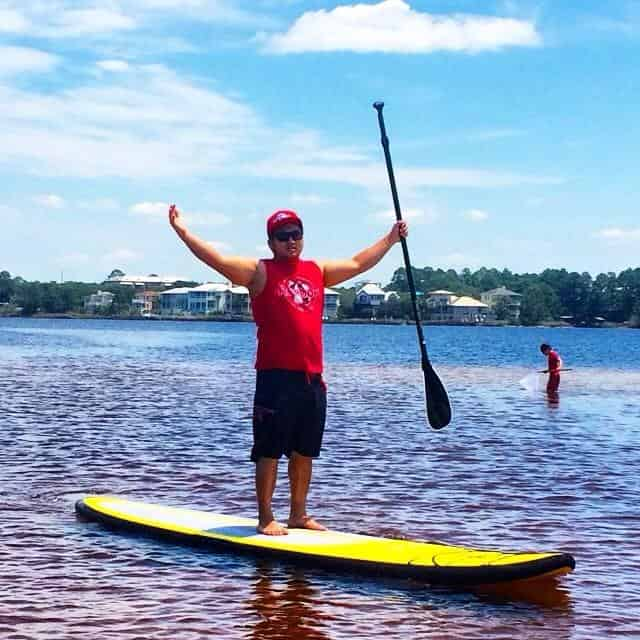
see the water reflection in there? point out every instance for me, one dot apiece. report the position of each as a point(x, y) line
point(553, 399)
point(544, 593)
point(285, 607)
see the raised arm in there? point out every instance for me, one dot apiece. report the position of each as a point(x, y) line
point(240, 271)
point(337, 271)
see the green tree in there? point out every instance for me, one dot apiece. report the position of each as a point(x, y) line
point(29, 298)
point(7, 287)
point(538, 303)
point(347, 298)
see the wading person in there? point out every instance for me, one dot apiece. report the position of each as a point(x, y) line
point(554, 365)
point(287, 299)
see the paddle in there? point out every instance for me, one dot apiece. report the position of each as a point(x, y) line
point(438, 408)
point(531, 382)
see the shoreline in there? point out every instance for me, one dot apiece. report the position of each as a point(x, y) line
point(551, 324)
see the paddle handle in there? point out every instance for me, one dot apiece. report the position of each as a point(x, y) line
point(378, 106)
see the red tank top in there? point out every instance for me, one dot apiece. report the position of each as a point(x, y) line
point(288, 313)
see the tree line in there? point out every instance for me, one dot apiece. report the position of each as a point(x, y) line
point(56, 297)
point(548, 296)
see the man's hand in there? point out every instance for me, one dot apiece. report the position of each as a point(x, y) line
point(176, 221)
point(399, 230)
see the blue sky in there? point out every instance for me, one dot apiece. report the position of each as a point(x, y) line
point(513, 129)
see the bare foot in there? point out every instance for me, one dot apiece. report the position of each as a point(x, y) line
point(273, 528)
point(306, 522)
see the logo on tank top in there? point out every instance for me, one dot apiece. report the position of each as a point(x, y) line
point(298, 292)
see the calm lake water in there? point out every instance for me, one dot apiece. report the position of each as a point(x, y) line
point(161, 411)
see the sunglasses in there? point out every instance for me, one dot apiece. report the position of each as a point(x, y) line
point(285, 236)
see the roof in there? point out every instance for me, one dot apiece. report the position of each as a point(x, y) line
point(176, 291)
point(220, 287)
point(467, 301)
point(371, 289)
point(440, 292)
point(330, 292)
point(501, 291)
point(165, 280)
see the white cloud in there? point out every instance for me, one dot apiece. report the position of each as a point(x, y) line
point(618, 234)
point(12, 21)
point(15, 60)
point(160, 210)
point(392, 26)
point(73, 19)
point(215, 11)
point(99, 204)
point(134, 126)
point(410, 215)
point(154, 209)
point(206, 219)
point(476, 215)
point(117, 66)
point(310, 199)
point(472, 178)
point(371, 176)
point(87, 22)
point(51, 201)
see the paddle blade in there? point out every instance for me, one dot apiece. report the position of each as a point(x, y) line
point(438, 407)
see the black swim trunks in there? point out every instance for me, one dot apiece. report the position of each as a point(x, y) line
point(289, 412)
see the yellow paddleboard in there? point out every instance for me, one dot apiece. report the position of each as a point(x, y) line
point(430, 561)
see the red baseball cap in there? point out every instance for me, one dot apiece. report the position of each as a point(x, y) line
point(280, 218)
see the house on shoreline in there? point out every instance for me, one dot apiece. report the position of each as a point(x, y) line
point(448, 308)
point(370, 297)
point(218, 298)
point(504, 298)
point(157, 296)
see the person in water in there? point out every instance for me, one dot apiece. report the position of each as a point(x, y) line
point(287, 300)
point(554, 365)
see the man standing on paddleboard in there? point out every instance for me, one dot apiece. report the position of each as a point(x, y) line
point(554, 365)
point(287, 299)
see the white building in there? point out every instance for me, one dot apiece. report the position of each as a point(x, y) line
point(174, 302)
point(145, 302)
point(221, 298)
point(465, 309)
point(370, 295)
point(512, 300)
point(331, 304)
point(152, 281)
point(211, 298)
point(445, 306)
point(99, 300)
